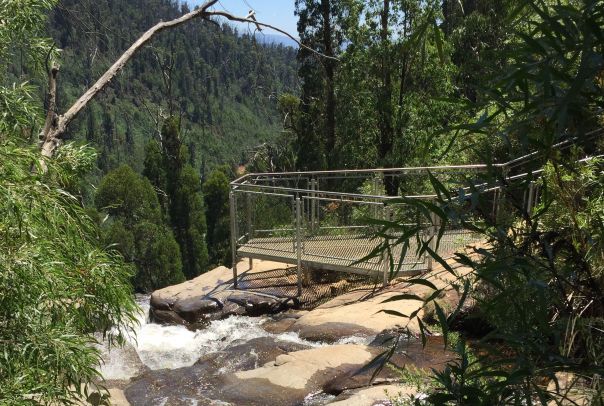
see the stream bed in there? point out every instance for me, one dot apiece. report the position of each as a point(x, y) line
point(170, 347)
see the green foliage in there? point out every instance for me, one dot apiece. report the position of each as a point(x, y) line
point(58, 288)
point(135, 227)
point(154, 170)
point(320, 27)
point(189, 222)
point(22, 33)
point(185, 201)
point(391, 87)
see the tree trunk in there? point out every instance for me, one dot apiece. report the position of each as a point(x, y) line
point(330, 99)
point(385, 102)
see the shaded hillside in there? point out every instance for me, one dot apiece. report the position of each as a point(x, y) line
point(224, 86)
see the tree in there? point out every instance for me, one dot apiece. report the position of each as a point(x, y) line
point(185, 201)
point(395, 66)
point(189, 221)
point(216, 195)
point(56, 125)
point(320, 28)
point(57, 286)
point(136, 228)
point(155, 171)
point(539, 284)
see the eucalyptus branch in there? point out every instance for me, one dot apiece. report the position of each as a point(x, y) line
point(231, 17)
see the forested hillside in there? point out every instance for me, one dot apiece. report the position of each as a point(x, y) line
point(223, 85)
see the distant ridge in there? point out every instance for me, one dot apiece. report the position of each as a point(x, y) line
point(276, 39)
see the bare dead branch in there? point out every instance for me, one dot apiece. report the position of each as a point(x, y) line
point(231, 17)
point(51, 113)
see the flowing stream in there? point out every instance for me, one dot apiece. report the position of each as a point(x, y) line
point(160, 347)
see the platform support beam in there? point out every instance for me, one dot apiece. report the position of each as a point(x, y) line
point(299, 243)
point(233, 210)
point(434, 229)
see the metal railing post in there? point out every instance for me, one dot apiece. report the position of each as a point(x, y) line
point(433, 232)
point(250, 235)
point(233, 209)
point(312, 204)
point(384, 260)
point(299, 243)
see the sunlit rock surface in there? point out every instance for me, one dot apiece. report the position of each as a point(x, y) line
point(366, 311)
point(289, 357)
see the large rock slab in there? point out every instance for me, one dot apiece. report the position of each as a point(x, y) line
point(366, 312)
point(291, 377)
point(211, 296)
point(354, 313)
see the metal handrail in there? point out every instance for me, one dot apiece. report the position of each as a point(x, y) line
point(401, 170)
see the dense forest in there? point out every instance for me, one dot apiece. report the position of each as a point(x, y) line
point(135, 196)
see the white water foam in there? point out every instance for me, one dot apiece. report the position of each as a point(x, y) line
point(169, 347)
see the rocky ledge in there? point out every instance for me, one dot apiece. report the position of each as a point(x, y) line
point(211, 297)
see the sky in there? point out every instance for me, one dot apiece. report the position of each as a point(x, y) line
point(279, 13)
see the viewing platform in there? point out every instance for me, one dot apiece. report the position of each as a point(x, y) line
point(331, 220)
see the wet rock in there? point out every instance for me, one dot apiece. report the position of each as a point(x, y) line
point(408, 352)
point(278, 326)
point(202, 381)
point(172, 386)
point(166, 317)
point(331, 331)
point(253, 353)
point(291, 377)
point(281, 322)
point(257, 305)
point(194, 308)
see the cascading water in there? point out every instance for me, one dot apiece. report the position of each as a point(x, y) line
point(169, 347)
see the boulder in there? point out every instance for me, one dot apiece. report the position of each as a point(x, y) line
point(355, 313)
point(409, 352)
point(291, 377)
